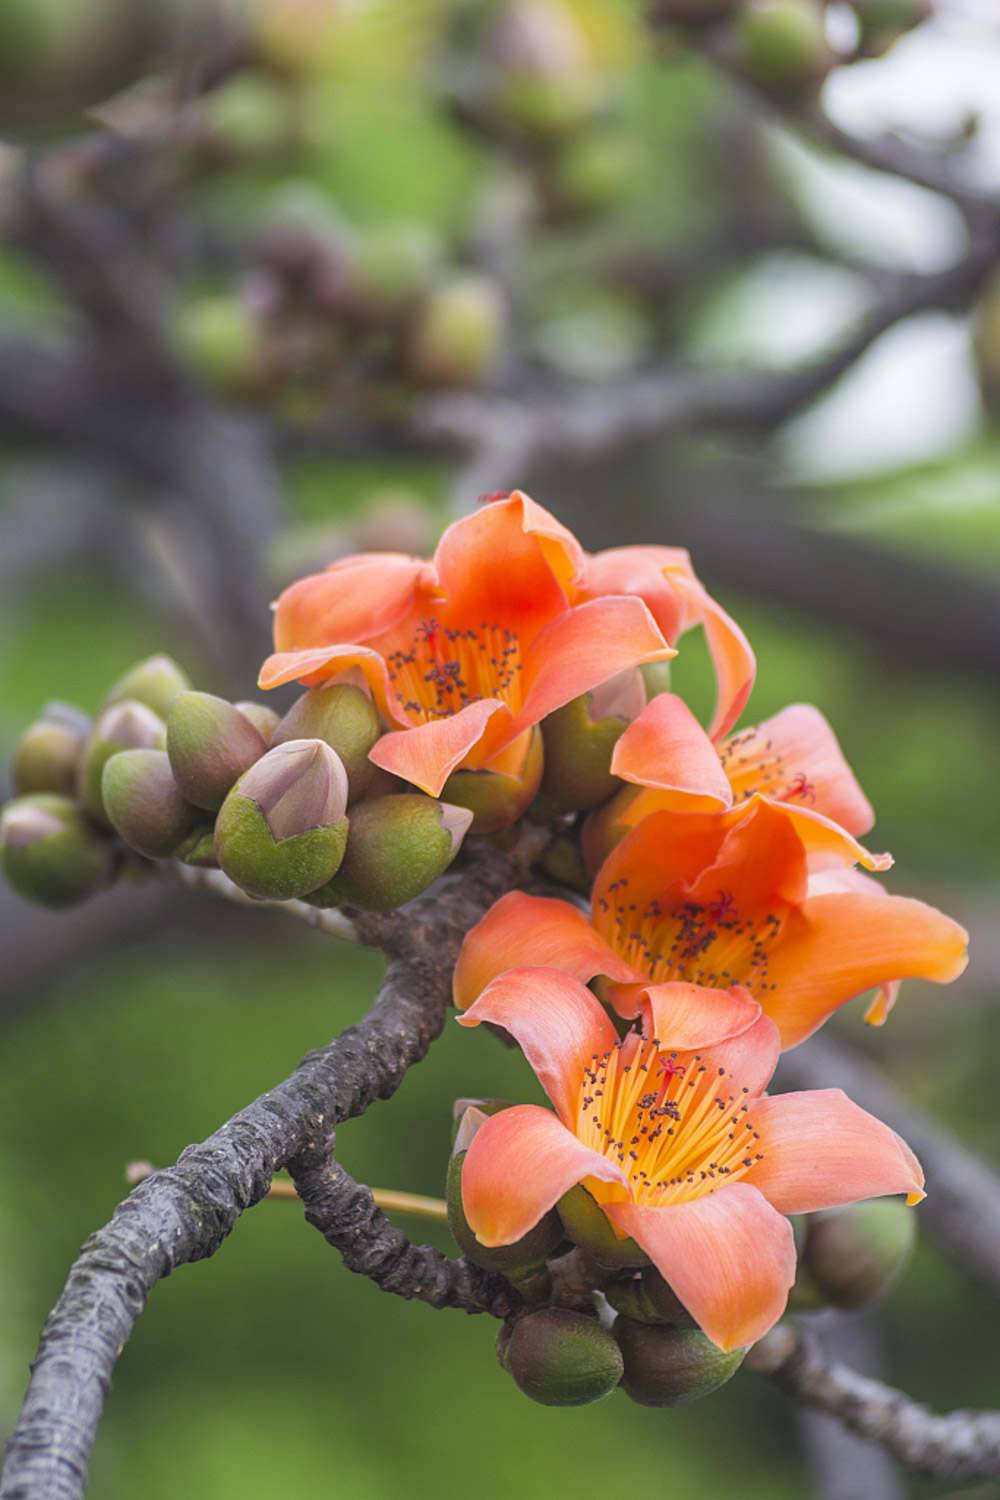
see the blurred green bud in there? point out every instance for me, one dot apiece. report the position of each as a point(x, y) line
point(782, 44)
point(396, 847)
point(263, 718)
point(219, 335)
point(126, 725)
point(497, 798)
point(671, 1366)
point(560, 1358)
point(525, 1255)
point(142, 801)
point(647, 1298)
point(396, 264)
point(47, 756)
point(49, 853)
point(156, 681)
point(248, 115)
point(457, 332)
point(580, 739)
point(345, 718)
point(547, 84)
point(587, 1225)
point(854, 1254)
point(210, 744)
point(282, 830)
point(594, 173)
point(293, 37)
point(885, 20)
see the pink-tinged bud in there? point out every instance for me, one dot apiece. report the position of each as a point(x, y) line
point(497, 799)
point(457, 333)
point(210, 744)
point(519, 1260)
point(580, 739)
point(144, 805)
point(345, 718)
point(156, 681)
point(853, 1255)
point(126, 725)
point(50, 854)
point(282, 830)
point(397, 846)
point(671, 1366)
point(47, 756)
point(587, 1225)
point(560, 1358)
point(263, 718)
point(782, 44)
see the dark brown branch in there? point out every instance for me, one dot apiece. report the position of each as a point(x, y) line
point(960, 1445)
point(184, 1214)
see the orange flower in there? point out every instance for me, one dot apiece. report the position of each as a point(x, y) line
point(717, 899)
point(676, 1142)
point(465, 653)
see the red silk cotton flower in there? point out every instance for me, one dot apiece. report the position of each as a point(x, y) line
point(467, 652)
point(762, 895)
point(675, 1140)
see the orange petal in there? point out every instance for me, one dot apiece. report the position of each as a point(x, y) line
point(689, 1017)
point(519, 1165)
point(641, 571)
point(320, 663)
point(531, 931)
point(795, 756)
point(731, 653)
point(666, 748)
point(827, 844)
point(427, 754)
point(555, 1020)
point(820, 1151)
point(583, 648)
point(842, 943)
point(496, 565)
point(750, 1057)
point(667, 850)
point(729, 1256)
point(355, 599)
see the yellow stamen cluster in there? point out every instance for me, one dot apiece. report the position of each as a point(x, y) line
point(445, 668)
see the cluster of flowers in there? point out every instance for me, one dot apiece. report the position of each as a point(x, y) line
point(727, 917)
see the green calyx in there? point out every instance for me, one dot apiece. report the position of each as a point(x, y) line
point(497, 799)
point(647, 1298)
point(853, 1255)
point(517, 1260)
point(282, 830)
point(587, 1225)
point(343, 717)
point(210, 745)
point(156, 681)
point(47, 756)
point(49, 853)
point(143, 803)
point(560, 1358)
point(125, 725)
point(396, 847)
point(671, 1366)
point(578, 750)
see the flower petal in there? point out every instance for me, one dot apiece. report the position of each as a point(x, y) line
point(555, 1020)
point(729, 1256)
point(641, 571)
point(320, 663)
point(750, 1057)
point(522, 930)
point(828, 845)
point(520, 1163)
point(584, 647)
point(690, 1017)
point(666, 748)
point(427, 754)
point(795, 756)
point(354, 599)
point(731, 652)
point(821, 1150)
point(844, 942)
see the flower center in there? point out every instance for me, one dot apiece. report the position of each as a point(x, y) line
point(752, 765)
point(447, 668)
point(678, 1130)
point(712, 943)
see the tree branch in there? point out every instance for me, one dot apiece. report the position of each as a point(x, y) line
point(961, 1445)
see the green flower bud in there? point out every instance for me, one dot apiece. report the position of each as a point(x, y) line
point(198, 849)
point(126, 725)
point(49, 853)
point(282, 830)
point(343, 716)
point(46, 758)
point(563, 860)
point(588, 1226)
point(473, 1108)
point(561, 1358)
point(782, 44)
point(547, 84)
point(647, 1298)
point(210, 744)
point(396, 847)
point(580, 739)
point(595, 172)
point(516, 1261)
point(605, 827)
point(854, 1254)
point(498, 798)
point(671, 1366)
point(219, 335)
point(396, 264)
point(456, 334)
point(155, 682)
point(143, 803)
point(263, 719)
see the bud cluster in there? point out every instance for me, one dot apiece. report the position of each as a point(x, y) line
point(288, 807)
